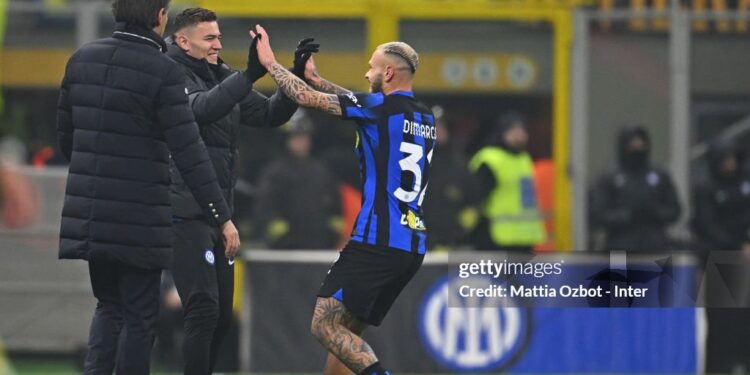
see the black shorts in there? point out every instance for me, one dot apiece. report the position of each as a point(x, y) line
point(367, 279)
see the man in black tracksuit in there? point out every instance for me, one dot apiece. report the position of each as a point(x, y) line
point(721, 222)
point(636, 202)
point(122, 117)
point(221, 100)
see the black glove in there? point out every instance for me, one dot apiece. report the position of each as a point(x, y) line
point(255, 70)
point(304, 50)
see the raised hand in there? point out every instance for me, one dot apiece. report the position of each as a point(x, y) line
point(311, 71)
point(263, 47)
point(302, 55)
point(255, 70)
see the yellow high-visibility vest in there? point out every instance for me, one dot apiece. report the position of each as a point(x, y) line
point(512, 206)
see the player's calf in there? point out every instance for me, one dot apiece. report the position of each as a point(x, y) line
point(338, 330)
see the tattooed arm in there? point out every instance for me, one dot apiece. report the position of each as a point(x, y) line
point(313, 78)
point(304, 95)
point(294, 88)
point(321, 84)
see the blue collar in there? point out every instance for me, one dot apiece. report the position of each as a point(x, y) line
point(404, 93)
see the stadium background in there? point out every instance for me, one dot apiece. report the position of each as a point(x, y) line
point(577, 69)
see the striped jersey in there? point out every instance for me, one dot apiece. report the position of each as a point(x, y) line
point(395, 143)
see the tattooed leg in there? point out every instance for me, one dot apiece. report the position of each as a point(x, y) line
point(335, 367)
point(338, 330)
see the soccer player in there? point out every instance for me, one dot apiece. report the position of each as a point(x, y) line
point(396, 139)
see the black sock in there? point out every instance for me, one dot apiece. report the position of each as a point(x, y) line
point(375, 369)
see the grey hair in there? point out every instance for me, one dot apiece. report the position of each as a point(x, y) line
point(404, 51)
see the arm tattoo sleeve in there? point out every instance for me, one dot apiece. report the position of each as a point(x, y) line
point(326, 86)
point(297, 90)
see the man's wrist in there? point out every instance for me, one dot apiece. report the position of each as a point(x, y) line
point(270, 65)
point(315, 80)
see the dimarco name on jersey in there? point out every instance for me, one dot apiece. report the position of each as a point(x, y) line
point(419, 130)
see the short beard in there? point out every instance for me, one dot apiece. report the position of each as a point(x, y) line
point(376, 86)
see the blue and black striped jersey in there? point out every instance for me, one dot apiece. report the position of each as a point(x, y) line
point(395, 142)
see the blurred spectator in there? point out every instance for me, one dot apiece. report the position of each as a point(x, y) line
point(722, 203)
point(505, 174)
point(447, 211)
point(721, 222)
point(298, 204)
point(636, 202)
point(18, 203)
point(346, 170)
point(544, 183)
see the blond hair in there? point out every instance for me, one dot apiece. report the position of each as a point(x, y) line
point(403, 51)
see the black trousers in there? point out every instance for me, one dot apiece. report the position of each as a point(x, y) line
point(204, 278)
point(122, 329)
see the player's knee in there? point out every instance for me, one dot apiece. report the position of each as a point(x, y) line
point(139, 329)
point(315, 327)
point(224, 323)
point(319, 329)
point(202, 308)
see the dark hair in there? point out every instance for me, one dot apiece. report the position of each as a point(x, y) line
point(509, 120)
point(191, 17)
point(503, 123)
point(139, 12)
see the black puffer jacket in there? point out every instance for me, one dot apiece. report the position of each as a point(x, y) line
point(222, 100)
point(722, 203)
point(123, 109)
point(635, 203)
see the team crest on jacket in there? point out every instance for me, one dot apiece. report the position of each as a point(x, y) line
point(209, 255)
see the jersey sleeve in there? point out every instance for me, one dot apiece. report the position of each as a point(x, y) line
point(360, 107)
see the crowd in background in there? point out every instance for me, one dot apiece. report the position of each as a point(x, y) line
point(299, 189)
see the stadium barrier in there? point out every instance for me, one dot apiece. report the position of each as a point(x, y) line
point(46, 303)
point(424, 333)
point(47, 306)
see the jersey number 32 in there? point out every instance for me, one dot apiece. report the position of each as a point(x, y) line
point(410, 163)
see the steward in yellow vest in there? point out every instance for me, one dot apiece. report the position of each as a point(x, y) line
point(511, 218)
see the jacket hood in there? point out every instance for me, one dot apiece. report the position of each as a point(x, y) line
point(629, 160)
point(718, 151)
point(503, 124)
